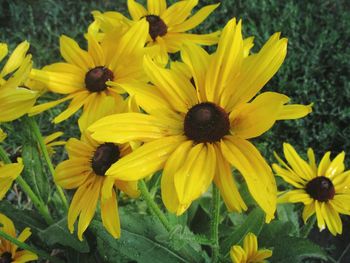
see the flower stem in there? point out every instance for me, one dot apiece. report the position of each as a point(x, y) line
point(24, 246)
point(153, 206)
point(36, 131)
point(26, 188)
point(215, 213)
point(305, 231)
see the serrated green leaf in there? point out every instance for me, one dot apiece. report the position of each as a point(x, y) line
point(58, 234)
point(253, 223)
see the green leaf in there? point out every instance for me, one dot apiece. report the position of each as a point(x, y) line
point(253, 223)
point(287, 213)
point(58, 234)
point(143, 239)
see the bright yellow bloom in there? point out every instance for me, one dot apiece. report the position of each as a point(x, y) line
point(15, 100)
point(167, 25)
point(323, 190)
point(82, 78)
point(50, 142)
point(85, 170)
point(8, 251)
point(249, 253)
point(197, 134)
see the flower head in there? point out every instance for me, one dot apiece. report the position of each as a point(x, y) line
point(167, 25)
point(85, 171)
point(197, 133)
point(84, 77)
point(323, 189)
point(249, 253)
point(15, 99)
point(8, 251)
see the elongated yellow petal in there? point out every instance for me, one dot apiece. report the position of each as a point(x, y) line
point(110, 215)
point(73, 54)
point(312, 160)
point(308, 211)
point(295, 196)
point(194, 20)
point(156, 7)
point(73, 173)
point(3, 51)
point(248, 43)
point(341, 182)
point(332, 219)
point(95, 50)
point(289, 176)
point(145, 160)
point(173, 164)
point(227, 60)
point(324, 164)
point(178, 12)
point(294, 111)
point(250, 245)
point(199, 39)
point(336, 166)
point(319, 216)
point(259, 116)
point(20, 76)
point(7, 225)
point(9, 173)
point(25, 256)
point(23, 236)
point(128, 187)
point(196, 174)
point(258, 175)
point(16, 58)
point(238, 255)
point(136, 10)
point(45, 106)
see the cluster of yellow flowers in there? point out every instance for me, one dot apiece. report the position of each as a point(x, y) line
point(194, 119)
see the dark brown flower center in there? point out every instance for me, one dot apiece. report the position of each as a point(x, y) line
point(95, 79)
point(206, 122)
point(6, 257)
point(157, 27)
point(105, 155)
point(321, 189)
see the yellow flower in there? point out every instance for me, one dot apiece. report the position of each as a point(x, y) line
point(198, 134)
point(323, 190)
point(3, 135)
point(9, 173)
point(50, 142)
point(82, 78)
point(8, 251)
point(15, 100)
point(249, 253)
point(167, 25)
point(85, 170)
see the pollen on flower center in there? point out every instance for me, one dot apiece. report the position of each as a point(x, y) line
point(157, 27)
point(105, 155)
point(6, 257)
point(321, 188)
point(206, 122)
point(95, 79)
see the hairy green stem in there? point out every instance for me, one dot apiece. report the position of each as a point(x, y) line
point(36, 131)
point(44, 211)
point(305, 231)
point(24, 246)
point(215, 213)
point(153, 206)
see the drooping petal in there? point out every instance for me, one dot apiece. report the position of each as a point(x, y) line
point(332, 219)
point(258, 175)
point(110, 215)
point(308, 211)
point(319, 216)
point(128, 187)
point(73, 173)
point(336, 166)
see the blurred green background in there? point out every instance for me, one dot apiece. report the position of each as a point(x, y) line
point(316, 68)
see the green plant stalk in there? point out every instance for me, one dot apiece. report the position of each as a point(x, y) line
point(40, 140)
point(214, 227)
point(26, 188)
point(305, 231)
point(22, 245)
point(153, 206)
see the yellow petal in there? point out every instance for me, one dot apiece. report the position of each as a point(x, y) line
point(7, 225)
point(45, 106)
point(248, 43)
point(95, 50)
point(110, 215)
point(174, 163)
point(194, 20)
point(312, 160)
point(178, 12)
point(125, 127)
point(319, 216)
point(332, 219)
point(145, 160)
point(3, 51)
point(20, 76)
point(25, 256)
point(227, 60)
point(308, 211)
point(294, 111)
point(258, 175)
point(73, 54)
point(250, 245)
point(341, 182)
point(238, 255)
point(324, 164)
point(258, 116)
point(73, 173)
point(156, 7)
point(196, 174)
point(336, 166)
point(289, 176)
point(136, 10)
point(128, 187)
point(295, 196)
point(23, 236)
point(8, 173)
point(16, 58)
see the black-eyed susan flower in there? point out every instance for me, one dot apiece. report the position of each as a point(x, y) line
point(85, 171)
point(167, 25)
point(198, 134)
point(15, 99)
point(249, 253)
point(82, 78)
point(323, 189)
point(8, 251)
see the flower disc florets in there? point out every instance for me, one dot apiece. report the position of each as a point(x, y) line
point(6, 257)
point(157, 27)
point(321, 188)
point(104, 156)
point(206, 122)
point(95, 79)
